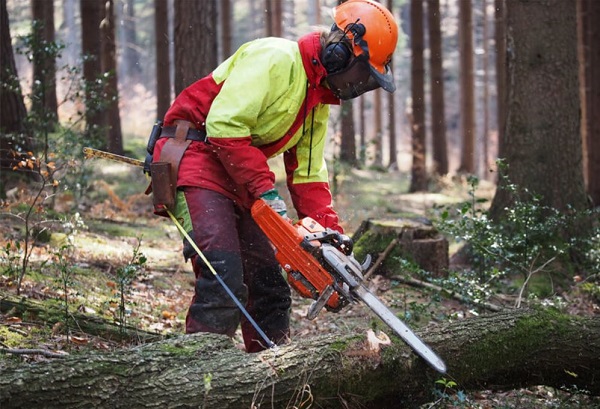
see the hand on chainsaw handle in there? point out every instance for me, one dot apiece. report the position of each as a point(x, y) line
point(275, 202)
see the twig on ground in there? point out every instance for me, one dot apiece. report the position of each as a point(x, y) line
point(422, 284)
point(381, 258)
point(27, 351)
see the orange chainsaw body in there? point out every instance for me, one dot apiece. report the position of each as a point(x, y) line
point(305, 274)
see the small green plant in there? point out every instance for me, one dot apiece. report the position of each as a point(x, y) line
point(10, 259)
point(63, 263)
point(448, 394)
point(125, 277)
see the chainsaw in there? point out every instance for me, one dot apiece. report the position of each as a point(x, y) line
point(319, 267)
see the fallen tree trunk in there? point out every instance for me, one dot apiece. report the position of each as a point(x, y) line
point(506, 350)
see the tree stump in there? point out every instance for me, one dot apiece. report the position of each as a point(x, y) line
point(412, 239)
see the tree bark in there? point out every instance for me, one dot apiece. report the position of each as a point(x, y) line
point(195, 41)
point(377, 140)
point(13, 112)
point(593, 111)
point(109, 65)
point(501, 90)
point(485, 133)
point(498, 351)
point(226, 18)
point(418, 170)
point(163, 66)
point(348, 135)
point(131, 56)
point(91, 47)
point(438, 119)
point(542, 142)
point(467, 87)
point(44, 105)
point(391, 111)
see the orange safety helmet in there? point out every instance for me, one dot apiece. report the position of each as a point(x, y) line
point(377, 39)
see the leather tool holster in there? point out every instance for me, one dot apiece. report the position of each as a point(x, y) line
point(164, 172)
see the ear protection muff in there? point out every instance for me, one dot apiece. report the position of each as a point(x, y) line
point(337, 55)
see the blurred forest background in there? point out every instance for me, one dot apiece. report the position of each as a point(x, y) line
point(118, 65)
point(381, 125)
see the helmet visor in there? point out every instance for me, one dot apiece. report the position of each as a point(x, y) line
point(386, 80)
point(354, 80)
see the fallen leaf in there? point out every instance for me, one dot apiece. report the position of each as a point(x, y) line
point(79, 340)
point(168, 315)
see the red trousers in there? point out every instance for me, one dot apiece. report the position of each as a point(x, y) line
point(242, 256)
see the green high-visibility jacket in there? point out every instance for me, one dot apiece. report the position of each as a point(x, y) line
point(266, 99)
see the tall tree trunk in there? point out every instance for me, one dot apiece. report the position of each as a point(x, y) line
point(348, 134)
point(593, 108)
point(501, 351)
point(377, 129)
point(226, 28)
point(131, 56)
point(91, 45)
point(163, 66)
point(288, 19)
point(583, 38)
point(438, 116)
point(70, 31)
point(268, 18)
point(542, 143)
point(195, 48)
point(393, 146)
point(314, 12)
point(485, 137)
point(13, 112)
point(501, 68)
point(277, 18)
point(44, 105)
point(109, 65)
point(418, 172)
point(467, 87)
point(363, 131)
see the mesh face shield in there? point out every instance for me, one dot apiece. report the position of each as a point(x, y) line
point(352, 81)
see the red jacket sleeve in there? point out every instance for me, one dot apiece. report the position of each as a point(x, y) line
point(312, 199)
point(246, 164)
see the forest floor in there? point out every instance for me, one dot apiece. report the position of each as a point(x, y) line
point(115, 218)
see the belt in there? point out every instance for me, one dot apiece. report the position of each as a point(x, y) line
point(192, 134)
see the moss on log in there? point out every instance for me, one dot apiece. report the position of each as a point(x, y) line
point(497, 351)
